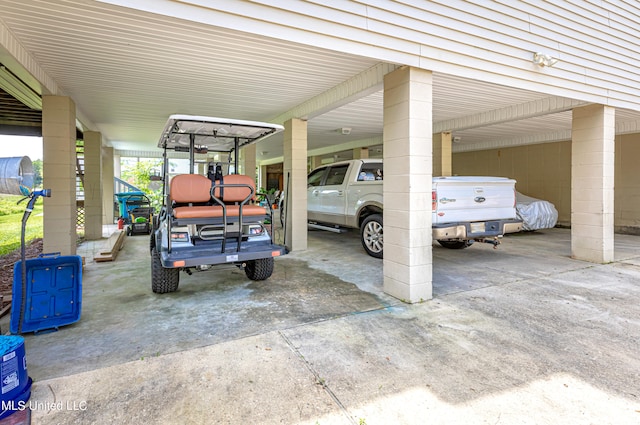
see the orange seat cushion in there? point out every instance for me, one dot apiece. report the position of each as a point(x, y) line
point(185, 188)
point(194, 188)
point(234, 193)
point(216, 211)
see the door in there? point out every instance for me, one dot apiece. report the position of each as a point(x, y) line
point(314, 180)
point(332, 196)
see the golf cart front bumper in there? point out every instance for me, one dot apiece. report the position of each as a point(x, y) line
point(208, 256)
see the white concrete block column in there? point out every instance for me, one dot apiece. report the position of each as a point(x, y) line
point(442, 154)
point(262, 180)
point(360, 153)
point(201, 168)
point(295, 171)
point(315, 162)
point(249, 161)
point(59, 174)
point(107, 186)
point(592, 183)
point(117, 165)
point(407, 153)
point(92, 185)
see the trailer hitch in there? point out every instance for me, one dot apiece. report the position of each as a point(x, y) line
point(493, 241)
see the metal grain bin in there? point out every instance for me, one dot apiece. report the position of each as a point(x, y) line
point(15, 172)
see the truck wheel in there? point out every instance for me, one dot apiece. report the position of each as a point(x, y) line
point(152, 243)
point(371, 235)
point(455, 244)
point(163, 280)
point(259, 269)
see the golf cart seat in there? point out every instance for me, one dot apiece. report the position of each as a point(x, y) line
point(192, 195)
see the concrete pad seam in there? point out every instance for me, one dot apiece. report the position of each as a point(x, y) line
point(545, 276)
point(318, 379)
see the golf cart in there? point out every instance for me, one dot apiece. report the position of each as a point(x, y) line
point(209, 220)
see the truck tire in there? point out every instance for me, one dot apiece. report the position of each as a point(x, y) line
point(371, 235)
point(163, 280)
point(259, 269)
point(152, 243)
point(455, 244)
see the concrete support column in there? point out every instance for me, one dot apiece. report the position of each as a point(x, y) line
point(360, 153)
point(201, 168)
point(59, 172)
point(295, 170)
point(592, 181)
point(107, 186)
point(117, 166)
point(407, 153)
point(262, 181)
point(315, 162)
point(442, 154)
point(92, 185)
point(249, 161)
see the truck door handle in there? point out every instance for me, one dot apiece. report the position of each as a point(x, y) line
point(315, 192)
point(340, 193)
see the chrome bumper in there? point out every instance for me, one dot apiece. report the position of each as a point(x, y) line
point(492, 228)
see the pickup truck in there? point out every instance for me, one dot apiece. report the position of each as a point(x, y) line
point(464, 209)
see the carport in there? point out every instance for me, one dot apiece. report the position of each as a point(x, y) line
point(117, 72)
point(545, 95)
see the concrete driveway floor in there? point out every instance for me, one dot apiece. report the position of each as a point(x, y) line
point(521, 334)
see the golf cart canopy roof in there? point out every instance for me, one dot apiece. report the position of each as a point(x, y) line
point(212, 134)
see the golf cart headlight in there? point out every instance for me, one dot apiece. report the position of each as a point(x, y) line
point(253, 230)
point(179, 236)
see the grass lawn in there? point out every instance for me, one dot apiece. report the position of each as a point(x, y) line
point(11, 222)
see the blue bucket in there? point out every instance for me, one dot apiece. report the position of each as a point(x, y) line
point(15, 384)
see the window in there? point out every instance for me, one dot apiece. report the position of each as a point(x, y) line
point(315, 178)
point(336, 175)
point(370, 171)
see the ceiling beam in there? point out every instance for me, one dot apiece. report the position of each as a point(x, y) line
point(536, 108)
point(628, 127)
point(532, 139)
point(623, 127)
point(356, 87)
point(362, 143)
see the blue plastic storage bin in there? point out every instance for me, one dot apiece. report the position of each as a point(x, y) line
point(53, 293)
point(15, 383)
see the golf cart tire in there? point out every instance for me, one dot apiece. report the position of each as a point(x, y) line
point(259, 269)
point(455, 244)
point(163, 280)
